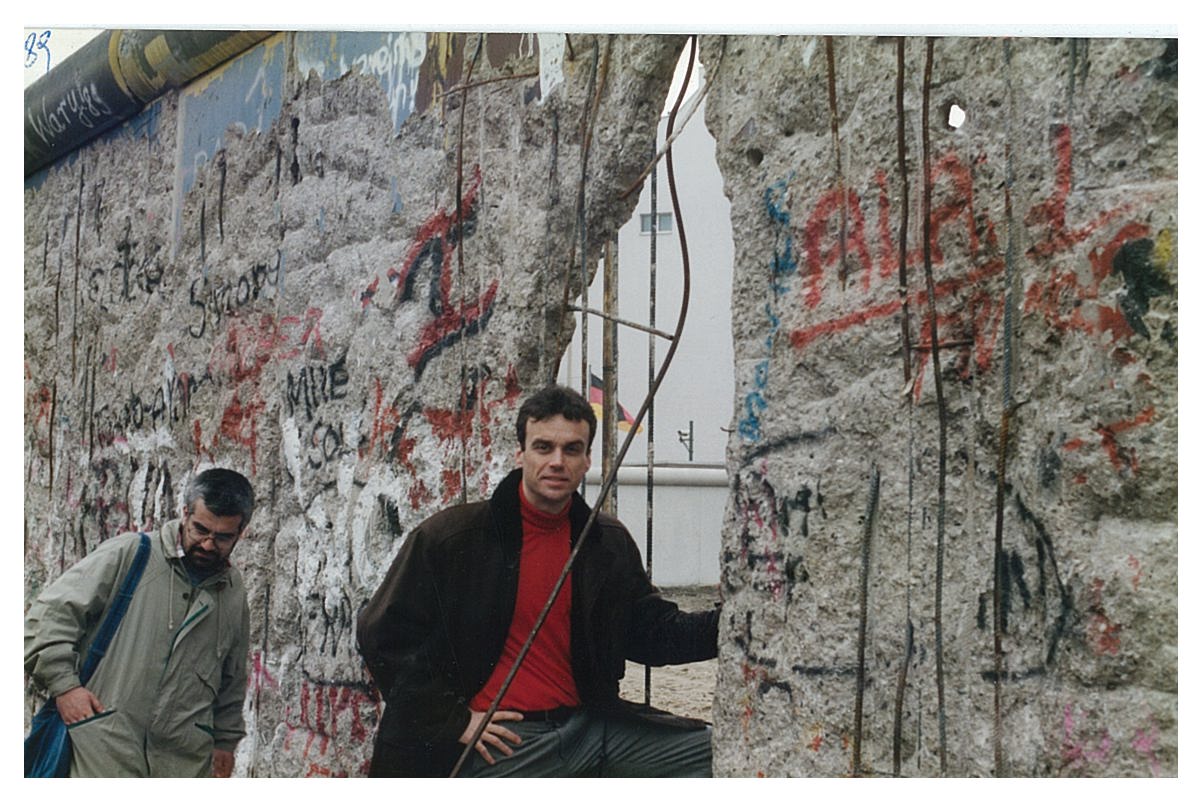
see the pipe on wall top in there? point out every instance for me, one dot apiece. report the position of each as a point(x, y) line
point(112, 78)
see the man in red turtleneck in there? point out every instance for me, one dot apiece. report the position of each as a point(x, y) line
point(442, 633)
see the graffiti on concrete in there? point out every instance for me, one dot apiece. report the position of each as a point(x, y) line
point(431, 260)
point(216, 299)
point(782, 268)
point(1067, 299)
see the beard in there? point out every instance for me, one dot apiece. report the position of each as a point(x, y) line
point(203, 561)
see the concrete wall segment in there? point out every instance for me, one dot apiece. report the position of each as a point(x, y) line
point(297, 309)
point(821, 397)
point(302, 303)
point(1086, 128)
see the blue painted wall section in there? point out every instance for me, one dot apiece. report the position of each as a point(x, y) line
point(246, 93)
point(394, 59)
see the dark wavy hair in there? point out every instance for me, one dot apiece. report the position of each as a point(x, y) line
point(555, 400)
point(226, 494)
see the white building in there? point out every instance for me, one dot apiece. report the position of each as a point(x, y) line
point(694, 407)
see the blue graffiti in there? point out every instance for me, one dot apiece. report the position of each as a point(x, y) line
point(783, 266)
point(35, 43)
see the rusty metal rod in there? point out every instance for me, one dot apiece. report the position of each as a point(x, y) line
point(902, 159)
point(935, 355)
point(864, 581)
point(611, 479)
point(626, 322)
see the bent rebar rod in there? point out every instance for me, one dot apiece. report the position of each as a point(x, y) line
point(612, 476)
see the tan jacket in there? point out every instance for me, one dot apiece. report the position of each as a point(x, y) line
point(174, 678)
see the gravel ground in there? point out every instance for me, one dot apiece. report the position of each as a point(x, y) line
point(685, 689)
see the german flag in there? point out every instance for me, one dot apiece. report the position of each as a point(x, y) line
point(596, 398)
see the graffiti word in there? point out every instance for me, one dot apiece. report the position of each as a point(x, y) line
point(434, 248)
point(315, 385)
point(783, 265)
point(140, 409)
point(398, 66)
point(217, 300)
point(1066, 299)
point(35, 44)
point(127, 276)
point(322, 705)
point(83, 105)
point(308, 389)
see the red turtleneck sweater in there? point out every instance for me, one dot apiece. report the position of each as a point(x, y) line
point(545, 680)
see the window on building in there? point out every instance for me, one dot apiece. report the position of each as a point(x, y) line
point(665, 223)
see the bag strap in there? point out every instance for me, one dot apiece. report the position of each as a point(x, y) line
point(112, 619)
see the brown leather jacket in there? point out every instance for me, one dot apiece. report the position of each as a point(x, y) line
point(434, 630)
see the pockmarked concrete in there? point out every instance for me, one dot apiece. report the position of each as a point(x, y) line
point(335, 263)
point(951, 543)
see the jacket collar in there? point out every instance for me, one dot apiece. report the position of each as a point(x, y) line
point(506, 508)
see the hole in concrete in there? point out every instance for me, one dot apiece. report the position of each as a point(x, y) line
point(755, 155)
point(956, 116)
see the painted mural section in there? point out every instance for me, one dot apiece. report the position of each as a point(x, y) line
point(335, 264)
point(951, 543)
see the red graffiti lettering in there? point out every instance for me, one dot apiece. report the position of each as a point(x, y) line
point(435, 245)
point(321, 708)
point(1067, 299)
point(831, 208)
point(1122, 458)
point(453, 427)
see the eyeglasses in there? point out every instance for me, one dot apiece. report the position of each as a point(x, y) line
point(221, 540)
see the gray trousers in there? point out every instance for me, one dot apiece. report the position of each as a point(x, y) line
point(589, 745)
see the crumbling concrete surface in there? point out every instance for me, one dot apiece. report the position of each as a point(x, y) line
point(951, 543)
point(334, 264)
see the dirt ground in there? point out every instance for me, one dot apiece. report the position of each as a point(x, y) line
point(685, 689)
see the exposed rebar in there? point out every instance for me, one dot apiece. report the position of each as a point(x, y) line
point(837, 159)
point(612, 477)
point(935, 356)
point(902, 160)
point(863, 584)
point(458, 205)
point(1005, 421)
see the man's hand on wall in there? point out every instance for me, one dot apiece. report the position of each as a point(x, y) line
point(222, 761)
point(494, 734)
point(76, 705)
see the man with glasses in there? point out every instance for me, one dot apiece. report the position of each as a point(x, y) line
point(166, 699)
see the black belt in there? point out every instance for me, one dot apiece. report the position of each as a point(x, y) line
point(556, 715)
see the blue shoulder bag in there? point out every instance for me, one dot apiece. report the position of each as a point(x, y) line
point(48, 746)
